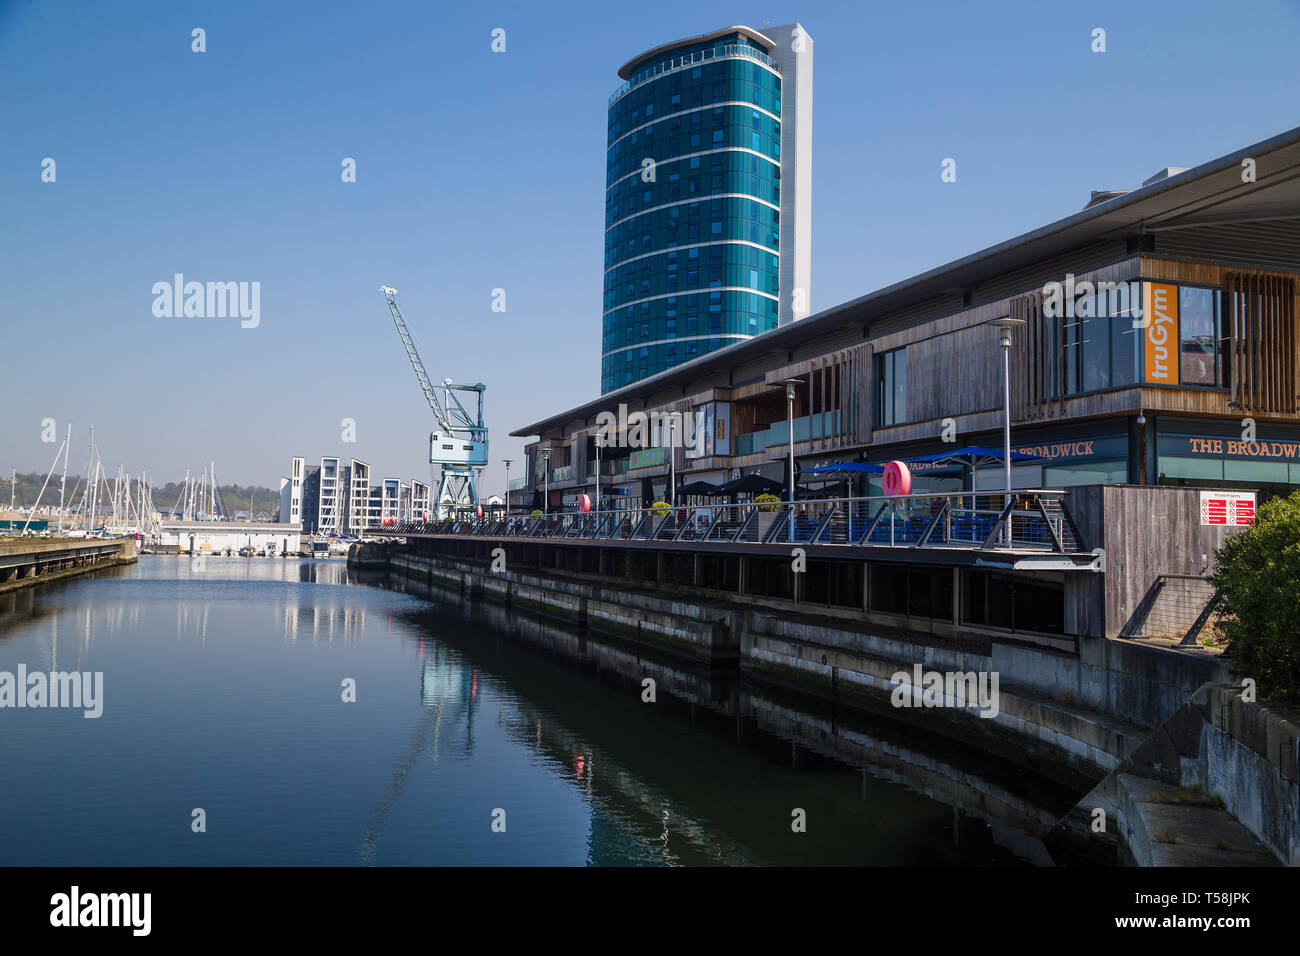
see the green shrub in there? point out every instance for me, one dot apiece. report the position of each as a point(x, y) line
point(768, 502)
point(1257, 575)
point(661, 508)
point(535, 513)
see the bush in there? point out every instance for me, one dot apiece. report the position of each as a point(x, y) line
point(661, 508)
point(1257, 576)
point(535, 513)
point(768, 502)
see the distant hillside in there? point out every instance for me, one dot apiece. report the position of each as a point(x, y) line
point(233, 497)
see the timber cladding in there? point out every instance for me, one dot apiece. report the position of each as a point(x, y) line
point(1260, 314)
point(1147, 532)
point(835, 381)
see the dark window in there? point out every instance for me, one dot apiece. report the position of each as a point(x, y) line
point(891, 388)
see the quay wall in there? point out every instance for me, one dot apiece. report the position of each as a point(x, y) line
point(1070, 716)
point(26, 562)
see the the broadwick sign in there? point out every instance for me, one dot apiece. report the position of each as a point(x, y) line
point(640, 429)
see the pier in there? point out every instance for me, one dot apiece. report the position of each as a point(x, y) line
point(25, 562)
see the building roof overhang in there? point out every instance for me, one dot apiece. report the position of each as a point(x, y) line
point(627, 69)
point(1212, 194)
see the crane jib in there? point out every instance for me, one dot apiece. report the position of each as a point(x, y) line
point(460, 445)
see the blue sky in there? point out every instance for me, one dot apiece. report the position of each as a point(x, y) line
point(478, 170)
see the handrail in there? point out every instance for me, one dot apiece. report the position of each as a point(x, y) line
point(699, 56)
point(1024, 520)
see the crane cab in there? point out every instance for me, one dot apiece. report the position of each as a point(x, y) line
point(445, 449)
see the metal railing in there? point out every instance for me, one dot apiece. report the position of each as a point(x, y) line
point(699, 56)
point(1023, 520)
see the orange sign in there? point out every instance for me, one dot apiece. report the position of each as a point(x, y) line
point(1162, 334)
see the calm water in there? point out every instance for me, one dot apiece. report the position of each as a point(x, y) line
point(223, 691)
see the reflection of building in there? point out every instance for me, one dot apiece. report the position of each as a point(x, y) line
point(707, 200)
point(1158, 344)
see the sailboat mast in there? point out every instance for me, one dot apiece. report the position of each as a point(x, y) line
point(63, 484)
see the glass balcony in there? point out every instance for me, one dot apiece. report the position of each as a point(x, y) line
point(821, 425)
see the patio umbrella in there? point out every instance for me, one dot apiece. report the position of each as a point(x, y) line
point(974, 456)
point(647, 493)
point(699, 488)
point(537, 501)
point(751, 485)
point(844, 469)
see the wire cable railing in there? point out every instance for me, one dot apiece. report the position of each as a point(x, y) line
point(1022, 520)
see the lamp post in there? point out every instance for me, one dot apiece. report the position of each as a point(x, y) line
point(506, 462)
point(1004, 327)
point(672, 465)
point(546, 481)
point(597, 502)
point(790, 384)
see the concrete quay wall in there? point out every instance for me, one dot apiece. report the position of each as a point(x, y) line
point(1071, 717)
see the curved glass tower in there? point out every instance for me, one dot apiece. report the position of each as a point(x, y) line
point(707, 209)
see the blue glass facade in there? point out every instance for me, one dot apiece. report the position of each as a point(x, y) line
point(692, 207)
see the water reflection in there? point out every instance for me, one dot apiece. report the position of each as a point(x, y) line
point(988, 801)
point(223, 686)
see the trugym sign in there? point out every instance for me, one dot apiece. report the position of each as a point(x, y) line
point(1162, 334)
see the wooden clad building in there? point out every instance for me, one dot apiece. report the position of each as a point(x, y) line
point(1156, 344)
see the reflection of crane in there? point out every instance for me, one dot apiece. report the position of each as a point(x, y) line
point(439, 684)
point(461, 442)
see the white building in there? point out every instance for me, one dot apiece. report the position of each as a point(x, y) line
point(220, 536)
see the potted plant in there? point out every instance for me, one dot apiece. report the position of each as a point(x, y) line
point(769, 507)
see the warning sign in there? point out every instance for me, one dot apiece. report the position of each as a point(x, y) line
point(1227, 507)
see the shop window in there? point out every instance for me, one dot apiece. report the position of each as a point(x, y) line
point(1086, 473)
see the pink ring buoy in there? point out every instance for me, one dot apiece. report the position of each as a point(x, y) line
point(897, 479)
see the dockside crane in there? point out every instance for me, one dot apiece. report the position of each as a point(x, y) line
point(460, 442)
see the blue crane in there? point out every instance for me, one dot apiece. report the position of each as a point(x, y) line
point(460, 442)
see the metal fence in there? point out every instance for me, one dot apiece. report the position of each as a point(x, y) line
point(1180, 607)
point(1022, 520)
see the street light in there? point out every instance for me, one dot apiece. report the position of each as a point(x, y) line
point(672, 466)
point(506, 462)
point(597, 503)
point(546, 481)
point(1004, 326)
point(790, 384)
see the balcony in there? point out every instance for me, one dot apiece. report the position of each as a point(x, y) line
point(821, 425)
point(563, 473)
point(699, 56)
